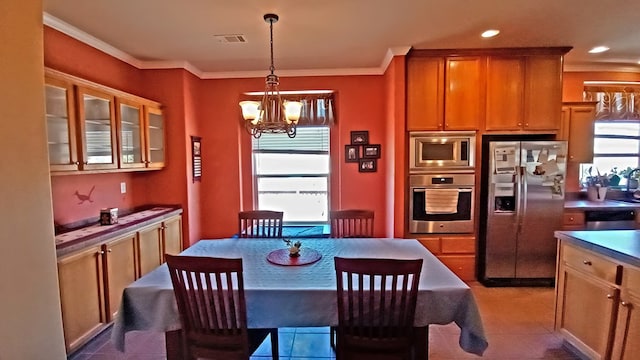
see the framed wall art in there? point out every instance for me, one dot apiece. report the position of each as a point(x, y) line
point(351, 153)
point(359, 137)
point(367, 165)
point(371, 151)
point(196, 156)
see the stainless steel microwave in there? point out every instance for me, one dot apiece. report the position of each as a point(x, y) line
point(441, 150)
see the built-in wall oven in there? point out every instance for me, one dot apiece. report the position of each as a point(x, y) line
point(441, 203)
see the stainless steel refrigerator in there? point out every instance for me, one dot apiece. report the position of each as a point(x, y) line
point(524, 187)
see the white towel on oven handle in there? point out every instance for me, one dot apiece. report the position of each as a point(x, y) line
point(441, 201)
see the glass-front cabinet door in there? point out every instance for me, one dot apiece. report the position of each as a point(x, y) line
point(98, 130)
point(155, 137)
point(131, 134)
point(61, 129)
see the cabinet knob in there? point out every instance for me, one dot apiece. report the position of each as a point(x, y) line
point(519, 124)
point(526, 124)
point(586, 262)
point(625, 304)
point(100, 252)
point(109, 250)
point(609, 296)
point(571, 218)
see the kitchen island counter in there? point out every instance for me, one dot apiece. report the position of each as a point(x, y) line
point(622, 245)
point(599, 205)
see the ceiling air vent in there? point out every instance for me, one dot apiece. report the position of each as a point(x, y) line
point(230, 38)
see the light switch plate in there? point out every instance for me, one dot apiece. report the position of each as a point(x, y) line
point(123, 187)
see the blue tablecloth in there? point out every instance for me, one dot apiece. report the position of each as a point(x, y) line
point(298, 296)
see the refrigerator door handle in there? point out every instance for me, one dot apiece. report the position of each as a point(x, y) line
point(518, 198)
point(525, 186)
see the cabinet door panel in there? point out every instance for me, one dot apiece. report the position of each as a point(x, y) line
point(505, 93)
point(61, 124)
point(581, 121)
point(172, 236)
point(543, 94)
point(627, 345)
point(587, 312)
point(425, 95)
point(463, 105)
point(80, 279)
point(130, 134)
point(121, 270)
point(149, 249)
point(155, 138)
point(98, 129)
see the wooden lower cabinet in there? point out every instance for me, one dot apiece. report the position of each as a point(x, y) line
point(597, 300)
point(92, 280)
point(80, 277)
point(586, 317)
point(172, 236)
point(120, 269)
point(156, 240)
point(573, 220)
point(626, 345)
point(457, 252)
point(149, 248)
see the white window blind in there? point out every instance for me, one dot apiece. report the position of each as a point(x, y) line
point(292, 175)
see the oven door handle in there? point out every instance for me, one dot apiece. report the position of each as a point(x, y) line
point(459, 189)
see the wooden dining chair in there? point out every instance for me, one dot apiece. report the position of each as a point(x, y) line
point(214, 319)
point(351, 223)
point(376, 307)
point(260, 224)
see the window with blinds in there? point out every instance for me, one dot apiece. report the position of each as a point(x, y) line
point(616, 145)
point(292, 174)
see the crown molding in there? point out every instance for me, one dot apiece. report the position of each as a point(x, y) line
point(94, 42)
point(602, 68)
point(90, 40)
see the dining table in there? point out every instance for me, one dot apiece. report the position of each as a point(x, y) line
point(283, 291)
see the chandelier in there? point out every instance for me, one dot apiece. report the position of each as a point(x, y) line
point(271, 114)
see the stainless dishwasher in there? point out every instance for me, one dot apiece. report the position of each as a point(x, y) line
point(610, 219)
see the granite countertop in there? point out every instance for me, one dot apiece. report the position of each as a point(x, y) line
point(622, 245)
point(600, 205)
point(95, 234)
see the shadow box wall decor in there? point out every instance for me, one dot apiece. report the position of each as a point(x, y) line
point(361, 152)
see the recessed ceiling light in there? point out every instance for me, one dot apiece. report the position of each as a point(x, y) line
point(598, 49)
point(490, 33)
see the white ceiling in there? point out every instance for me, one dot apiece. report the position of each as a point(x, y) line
point(343, 36)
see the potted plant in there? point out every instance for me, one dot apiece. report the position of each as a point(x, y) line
point(635, 175)
point(596, 185)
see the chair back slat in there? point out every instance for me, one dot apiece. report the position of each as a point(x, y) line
point(351, 223)
point(376, 305)
point(260, 224)
point(210, 297)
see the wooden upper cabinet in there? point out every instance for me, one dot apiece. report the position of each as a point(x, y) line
point(505, 93)
point(97, 129)
point(131, 133)
point(444, 93)
point(543, 92)
point(577, 128)
point(154, 137)
point(464, 97)
point(61, 124)
point(425, 93)
point(524, 93)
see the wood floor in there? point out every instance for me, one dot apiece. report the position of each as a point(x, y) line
point(518, 323)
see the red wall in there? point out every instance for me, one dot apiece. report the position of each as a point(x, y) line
point(227, 184)
point(209, 108)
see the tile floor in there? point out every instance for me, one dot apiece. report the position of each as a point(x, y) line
point(518, 324)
